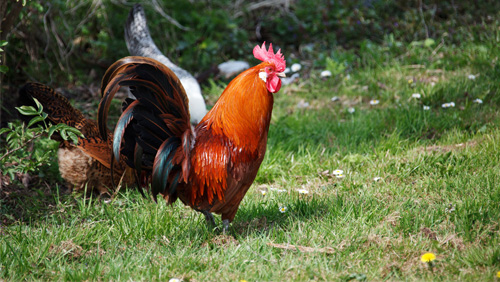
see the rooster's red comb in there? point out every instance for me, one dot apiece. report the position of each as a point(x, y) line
point(268, 56)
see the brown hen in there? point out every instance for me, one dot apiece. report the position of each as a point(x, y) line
point(88, 163)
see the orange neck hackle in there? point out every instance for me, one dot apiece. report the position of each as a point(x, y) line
point(243, 111)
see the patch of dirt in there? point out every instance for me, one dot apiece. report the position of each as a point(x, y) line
point(447, 148)
point(377, 240)
point(392, 219)
point(98, 252)
point(427, 233)
point(454, 242)
point(221, 241)
point(67, 248)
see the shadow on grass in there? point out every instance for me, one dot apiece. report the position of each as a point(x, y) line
point(32, 204)
point(262, 217)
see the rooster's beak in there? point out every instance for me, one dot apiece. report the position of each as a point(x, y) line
point(281, 74)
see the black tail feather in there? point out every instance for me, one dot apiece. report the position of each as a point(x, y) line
point(154, 127)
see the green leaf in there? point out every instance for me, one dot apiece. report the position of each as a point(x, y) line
point(3, 43)
point(72, 130)
point(4, 69)
point(5, 129)
point(38, 106)
point(27, 110)
point(11, 136)
point(429, 42)
point(37, 130)
point(73, 137)
point(54, 128)
point(35, 120)
point(63, 134)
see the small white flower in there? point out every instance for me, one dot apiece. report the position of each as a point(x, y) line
point(351, 110)
point(326, 73)
point(374, 102)
point(479, 101)
point(296, 67)
point(448, 105)
point(263, 192)
point(347, 77)
point(471, 77)
point(335, 99)
point(303, 191)
point(416, 95)
point(426, 108)
point(174, 280)
point(376, 179)
point(283, 209)
point(287, 70)
point(338, 172)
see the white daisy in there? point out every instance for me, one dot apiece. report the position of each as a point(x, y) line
point(374, 102)
point(448, 105)
point(416, 95)
point(326, 73)
point(426, 108)
point(283, 209)
point(479, 101)
point(338, 172)
point(303, 191)
point(351, 110)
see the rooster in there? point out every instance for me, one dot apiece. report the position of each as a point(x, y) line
point(140, 43)
point(210, 167)
point(88, 163)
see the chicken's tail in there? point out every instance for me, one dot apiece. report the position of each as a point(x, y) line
point(57, 107)
point(153, 134)
point(138, 38)
point(59, 110)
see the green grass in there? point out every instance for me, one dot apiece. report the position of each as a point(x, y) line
point(439, 190)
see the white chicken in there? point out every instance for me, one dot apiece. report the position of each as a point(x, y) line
point(140, 43)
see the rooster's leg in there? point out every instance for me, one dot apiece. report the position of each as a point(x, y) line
point(208, 217)
point(225, 226)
